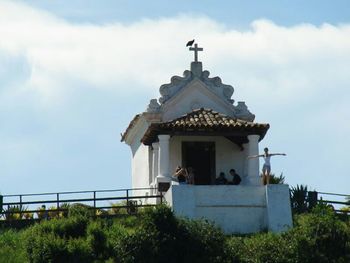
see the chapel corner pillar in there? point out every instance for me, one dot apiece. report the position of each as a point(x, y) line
point(164, 177)
point(155, 161)
point(155, 165)
point(253, 163)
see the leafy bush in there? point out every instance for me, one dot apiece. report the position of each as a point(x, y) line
point(158, 236)
point(65, 208)
point(14, 212)
point(11, 247)
point(78, 251)
point(198, 236)
point(164, 238)
point(80, 210)
point(318, 236)
point(53, 213)
point(321, 236)
point(264, 247)
point(116, 234)
point(119, 208)
point(97, 239)
point(299, 199)
point(274, 179)
point(45, 247)
point(73, 227)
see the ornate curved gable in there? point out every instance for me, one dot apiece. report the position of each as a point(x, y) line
point(220, 92)
point(177, 83)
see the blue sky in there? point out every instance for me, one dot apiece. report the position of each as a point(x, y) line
point(74, 73)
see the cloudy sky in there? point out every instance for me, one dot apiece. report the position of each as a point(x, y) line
point(74, 73)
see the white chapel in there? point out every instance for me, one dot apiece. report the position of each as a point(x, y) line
point(196, 123)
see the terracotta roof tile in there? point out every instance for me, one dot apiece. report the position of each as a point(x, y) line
point(205, 120)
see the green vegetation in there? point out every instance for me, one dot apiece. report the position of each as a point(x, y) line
point(299, 200)
point(156, 235)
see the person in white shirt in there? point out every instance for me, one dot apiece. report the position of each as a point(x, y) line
point(267, 164)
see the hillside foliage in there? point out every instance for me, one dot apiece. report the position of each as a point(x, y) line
point(156, 235)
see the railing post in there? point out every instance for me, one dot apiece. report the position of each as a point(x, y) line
point(58, 204)
point(95, 204)
point(20, 206)
point(127, 201)
point(1, 202)
point(312, 198)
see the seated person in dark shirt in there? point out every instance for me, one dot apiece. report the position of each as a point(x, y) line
point(236, 180)
point(221, 179)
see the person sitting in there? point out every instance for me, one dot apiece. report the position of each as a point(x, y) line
point(221, 179)
point(236, 179)
point(190, 175)
point(181, 175)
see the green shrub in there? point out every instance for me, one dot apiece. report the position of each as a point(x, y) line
point(11, 247)
point(45, 247)
point(72, 227)
point(119, 208)
point(234, 247)
point(130, 222)
point(260, 248)
point(65, 208)
point(52, 240)
point(116, 234)
point(274, 179)
point(199, 236)
point(14, 212)
point(51, 248)
point(153, 241)
point(97, 239)
point(158, 236)
point(299, 201)
point(318, 236)
point(321, 236)
point(162, 237)
point(81, 210)
point(78, 250)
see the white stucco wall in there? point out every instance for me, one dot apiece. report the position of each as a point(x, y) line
point(236, 209)
point(140, 163)
point(227, 154)
point(279, 214)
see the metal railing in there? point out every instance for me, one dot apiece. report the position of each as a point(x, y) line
point(336, 200)
point(97, 200)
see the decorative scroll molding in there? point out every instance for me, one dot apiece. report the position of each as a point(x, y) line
point(176, 83)
point(242, 112)
point(215, 84)
point(153, 106)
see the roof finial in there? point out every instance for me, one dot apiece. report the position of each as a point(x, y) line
point(196, 49)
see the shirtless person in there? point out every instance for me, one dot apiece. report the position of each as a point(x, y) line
point(267, 164)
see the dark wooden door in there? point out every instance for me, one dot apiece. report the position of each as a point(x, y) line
point(201, 157)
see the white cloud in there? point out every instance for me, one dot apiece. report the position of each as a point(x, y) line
point(290, 62)
point(288, 75)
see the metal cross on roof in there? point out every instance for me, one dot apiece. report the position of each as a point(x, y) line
point(196, 49)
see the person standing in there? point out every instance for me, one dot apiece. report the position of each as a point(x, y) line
point(266, 170)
